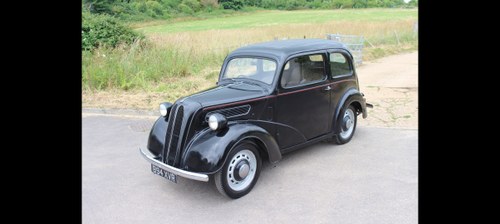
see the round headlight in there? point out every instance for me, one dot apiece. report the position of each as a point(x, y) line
point(216, 121)
point(164, 107)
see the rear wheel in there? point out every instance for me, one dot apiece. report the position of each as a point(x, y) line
point(347, 125)
point(240, 172)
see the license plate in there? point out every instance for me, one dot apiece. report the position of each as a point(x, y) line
point(159, 171)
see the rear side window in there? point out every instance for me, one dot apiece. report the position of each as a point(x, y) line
point(339, 65)
point(303, 70)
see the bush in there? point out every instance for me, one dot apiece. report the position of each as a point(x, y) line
point(294, 4)
point(316, 4)
point(170, 3)
point(209, 4)
point(140, 6)
point(343, 4)
point(193, 4)
point(106, 31)
point(254, 3)
point(186, 9)
point(359, 4)
point(154, 8)
point(117, 9)
point(98, 6)
point(277, 4)
point(231, 4)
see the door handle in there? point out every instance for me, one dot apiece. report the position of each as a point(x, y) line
point(328, 88)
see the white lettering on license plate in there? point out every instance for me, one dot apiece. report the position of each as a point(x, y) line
point(167, 175)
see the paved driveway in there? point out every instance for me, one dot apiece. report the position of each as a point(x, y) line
point(372, 179)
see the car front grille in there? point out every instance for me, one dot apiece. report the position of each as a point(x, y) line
point(173, 136)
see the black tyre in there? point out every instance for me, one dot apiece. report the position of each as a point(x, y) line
point(347, 125)
point(240, 172)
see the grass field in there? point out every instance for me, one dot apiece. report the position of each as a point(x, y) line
point(183, 57)
point(273, 18)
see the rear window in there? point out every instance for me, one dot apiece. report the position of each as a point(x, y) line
point(339, 65)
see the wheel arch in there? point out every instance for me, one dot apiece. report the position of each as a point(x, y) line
point(261, 147)
point(357, 106)
point(351, 96)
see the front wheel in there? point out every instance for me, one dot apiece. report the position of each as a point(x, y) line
point(240, 172)
point(347, 125)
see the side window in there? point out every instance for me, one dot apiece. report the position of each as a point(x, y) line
point(303, 70)
point(339, 65)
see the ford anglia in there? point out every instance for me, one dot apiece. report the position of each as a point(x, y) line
point(271, 98)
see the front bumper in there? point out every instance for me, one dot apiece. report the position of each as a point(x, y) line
point(186, 174)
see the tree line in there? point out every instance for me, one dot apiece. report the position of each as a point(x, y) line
point(164, 9)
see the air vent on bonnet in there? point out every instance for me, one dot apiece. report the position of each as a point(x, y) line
point(231, 112)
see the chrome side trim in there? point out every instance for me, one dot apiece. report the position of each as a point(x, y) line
point(186, 174)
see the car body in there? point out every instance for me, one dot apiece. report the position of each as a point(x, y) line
point(271, 98)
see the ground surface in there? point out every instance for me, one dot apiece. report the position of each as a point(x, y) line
point(391, 85)
point(372, 179)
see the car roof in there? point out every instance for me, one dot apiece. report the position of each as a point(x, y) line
point(284, 48)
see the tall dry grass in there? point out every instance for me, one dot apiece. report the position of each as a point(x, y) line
point(375, 32)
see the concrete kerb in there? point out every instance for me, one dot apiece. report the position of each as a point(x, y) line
point(120, 112)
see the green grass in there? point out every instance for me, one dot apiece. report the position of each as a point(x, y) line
point(272, 18)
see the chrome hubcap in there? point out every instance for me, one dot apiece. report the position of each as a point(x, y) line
point(241, 170)
point(348, 124)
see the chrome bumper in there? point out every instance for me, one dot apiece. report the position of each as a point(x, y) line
point(186, 174)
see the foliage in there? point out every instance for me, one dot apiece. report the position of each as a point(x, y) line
point(254, 3)
point(98, 6)
point(154, 8)
point(294, 4)
point(193, 4)
point(210, 3)
point(103, 30)
point(231, 4)
point(140, 10)
point(186, 9)
point(413, 3)
point(339, 4)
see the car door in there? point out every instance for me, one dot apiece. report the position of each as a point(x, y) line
point(303, 100)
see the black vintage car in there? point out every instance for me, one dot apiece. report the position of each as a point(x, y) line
point(271, 98)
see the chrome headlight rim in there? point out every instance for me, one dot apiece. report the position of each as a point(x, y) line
point(217, 121)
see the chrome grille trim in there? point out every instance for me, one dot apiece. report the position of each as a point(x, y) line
point(176, 137)
point(171, 124)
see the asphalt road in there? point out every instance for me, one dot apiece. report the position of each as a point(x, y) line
point(372, 179)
